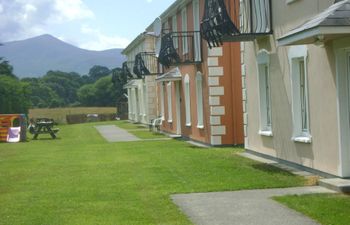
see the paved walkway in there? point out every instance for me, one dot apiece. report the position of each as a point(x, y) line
point(113, 133)
point(250, 207)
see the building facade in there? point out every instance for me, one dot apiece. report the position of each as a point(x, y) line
point(199, 90)
point(295, 70)
point(141, 68)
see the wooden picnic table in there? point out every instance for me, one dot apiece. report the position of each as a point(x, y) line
point(45, 127)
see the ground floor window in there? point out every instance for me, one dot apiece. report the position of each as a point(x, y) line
point(300, 100)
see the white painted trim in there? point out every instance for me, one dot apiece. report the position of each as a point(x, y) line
point(302, 139)
point(199, 95)
point(295, 55)
point(341, 48)
point(170, 102)
point(267, 133)
point(187, 90)
point(265, 113)
point(178, 107)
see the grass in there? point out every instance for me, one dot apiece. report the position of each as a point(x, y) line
point(327, 209)
point(59, 114)
point(79, 178)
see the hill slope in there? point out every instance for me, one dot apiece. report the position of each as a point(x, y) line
point(33, 57)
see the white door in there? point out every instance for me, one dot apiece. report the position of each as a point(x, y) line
point(178, 105)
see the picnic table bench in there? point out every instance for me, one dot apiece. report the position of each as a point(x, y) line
point(44, 126)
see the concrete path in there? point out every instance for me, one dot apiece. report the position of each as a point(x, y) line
point(250, 207)
point(113, 133)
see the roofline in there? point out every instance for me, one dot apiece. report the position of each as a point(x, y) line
point(171, 10)
point(297, 38)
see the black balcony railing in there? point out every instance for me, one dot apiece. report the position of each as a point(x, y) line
point(126, 71)
point(235, 20)
point(146, 63)
point(180, 48)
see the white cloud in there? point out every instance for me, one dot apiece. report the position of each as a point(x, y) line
point(71, 10)
point(100, 41)
point(25, 18)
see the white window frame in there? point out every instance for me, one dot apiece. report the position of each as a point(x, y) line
point(298, 56)
point(162, 100)
point(174, 29)
point(197, 36)
point(199, 95)
point(170, 102)
point(184, 29)
point(145, 102)
point(264, 87)
point(187, 91)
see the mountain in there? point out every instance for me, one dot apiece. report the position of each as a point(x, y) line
point(33, 57)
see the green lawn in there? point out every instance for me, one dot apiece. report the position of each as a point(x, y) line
point(79, 178)
point(327, 209)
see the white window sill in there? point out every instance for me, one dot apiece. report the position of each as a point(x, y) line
point(188, 124)
point(170, 121)
point(302, 139)
point(267, 133)
point(200, 126)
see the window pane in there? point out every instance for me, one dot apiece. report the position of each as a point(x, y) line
point(267, 96)
point(303, 102)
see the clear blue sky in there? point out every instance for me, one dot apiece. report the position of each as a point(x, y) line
point(91, 24)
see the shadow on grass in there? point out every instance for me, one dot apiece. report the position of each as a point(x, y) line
point(269, 168)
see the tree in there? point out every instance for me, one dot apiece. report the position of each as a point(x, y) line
point(65, 85)
point(13, 96)
point(87, 95)
point(97, 72)
point(5, 68)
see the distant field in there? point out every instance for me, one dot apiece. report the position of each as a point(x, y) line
point(59, 114)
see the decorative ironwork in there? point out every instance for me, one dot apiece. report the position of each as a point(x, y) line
point(126, 71)
point(237, 20)
point(216, 23)
point(168, 54)
point(140, 68)
point(146, 63)
point(180, 48)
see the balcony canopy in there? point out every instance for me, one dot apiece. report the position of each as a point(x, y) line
point(172, 75)
point(331, 24)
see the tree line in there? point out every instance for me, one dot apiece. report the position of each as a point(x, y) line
point(100, 87)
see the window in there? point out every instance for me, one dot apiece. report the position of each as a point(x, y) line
point(187, 100)
point(174, 29)
point(197, 36)
point(184, 29)
point(199, 94)
point(162, 100)
point(300, 100)
point(263, 60)
point(170, 103)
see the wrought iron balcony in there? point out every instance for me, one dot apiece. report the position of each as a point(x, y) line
point(180, 48)
point(126, 71)
point(235, 20)
point(146, 63)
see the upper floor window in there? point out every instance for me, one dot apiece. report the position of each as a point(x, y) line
point(263, 61)
point(199, 95)
point(300, 94)
point(187, 100)
point(184, 29)
point(197, 36)
point(174, 29)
